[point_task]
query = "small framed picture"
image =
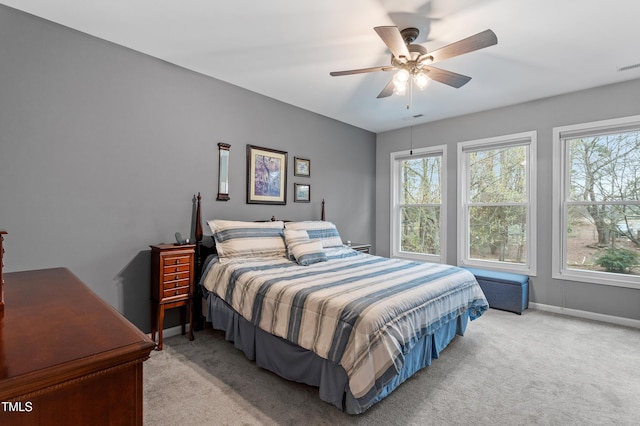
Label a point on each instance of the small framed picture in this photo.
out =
(301, 167)
(302, 193)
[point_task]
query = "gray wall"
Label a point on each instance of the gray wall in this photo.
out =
(601, 103)
(102, 150)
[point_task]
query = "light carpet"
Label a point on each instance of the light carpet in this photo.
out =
(537, 368)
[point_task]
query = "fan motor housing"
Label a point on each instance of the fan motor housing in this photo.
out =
(409, 35)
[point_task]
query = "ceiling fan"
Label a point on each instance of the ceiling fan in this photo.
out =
(413, 63)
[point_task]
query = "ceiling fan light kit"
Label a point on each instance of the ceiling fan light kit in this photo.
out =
(412, 62)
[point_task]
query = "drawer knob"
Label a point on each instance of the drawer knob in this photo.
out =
(176, 277)
(177, 261)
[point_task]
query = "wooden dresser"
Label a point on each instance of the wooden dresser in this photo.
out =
(2, 234)
(172, 278)
(66, 356)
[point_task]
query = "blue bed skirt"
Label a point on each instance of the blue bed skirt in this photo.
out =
(301, 365)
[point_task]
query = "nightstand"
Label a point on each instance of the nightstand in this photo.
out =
(364, 248)
(172, 277)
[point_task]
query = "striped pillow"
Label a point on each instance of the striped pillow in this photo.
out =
(293, 237)
(308, 252)
(319, 230)
(248, 239)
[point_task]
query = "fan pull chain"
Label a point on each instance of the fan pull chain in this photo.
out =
(411, 149)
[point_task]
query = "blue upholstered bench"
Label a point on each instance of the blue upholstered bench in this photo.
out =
(504, 290)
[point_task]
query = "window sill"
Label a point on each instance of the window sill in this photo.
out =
(602, 278)
(418, 257)
(499, 266)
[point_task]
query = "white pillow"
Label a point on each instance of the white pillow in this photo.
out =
(248, 239)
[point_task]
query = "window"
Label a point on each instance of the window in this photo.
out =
(496, 210)
(417, 207)
(597, 202)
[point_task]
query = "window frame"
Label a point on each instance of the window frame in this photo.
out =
(561, 179)
(529, 141)
(395, 233)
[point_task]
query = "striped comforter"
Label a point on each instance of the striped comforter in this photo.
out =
(360, 311)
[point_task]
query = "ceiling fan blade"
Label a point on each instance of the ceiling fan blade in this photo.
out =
(393, 39)
(361, 71)
(447, 77)
(475, 42)
(387, 91)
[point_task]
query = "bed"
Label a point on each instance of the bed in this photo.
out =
(299, 303)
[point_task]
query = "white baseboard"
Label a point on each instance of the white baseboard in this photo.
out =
(585, 314)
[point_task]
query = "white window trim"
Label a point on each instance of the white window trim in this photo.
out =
(395, 200)
(529, 139)
(558, 222)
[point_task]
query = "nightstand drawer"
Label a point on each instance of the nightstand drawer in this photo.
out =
(176, 260)
(175, 276)
(182, 267)
(168, 284)
(173, 292)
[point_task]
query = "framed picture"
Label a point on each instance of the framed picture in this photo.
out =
(266, 176)
(302, 193)
(301, 167)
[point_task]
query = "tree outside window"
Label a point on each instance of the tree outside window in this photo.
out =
(497, 204)
(417, 183)
(420, 205)
(597, 202)
(496, 213)
(603, 209)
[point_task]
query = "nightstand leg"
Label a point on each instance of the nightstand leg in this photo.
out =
(160, 325)
(191, 320)
(154, 320)
(183, 318)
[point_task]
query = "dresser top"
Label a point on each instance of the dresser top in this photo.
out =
(53, 325)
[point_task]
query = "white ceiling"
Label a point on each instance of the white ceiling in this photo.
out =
(285, 49)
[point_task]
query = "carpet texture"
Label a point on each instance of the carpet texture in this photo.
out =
(538, 368)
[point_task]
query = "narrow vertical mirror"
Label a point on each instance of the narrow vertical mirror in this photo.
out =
(223, 171)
